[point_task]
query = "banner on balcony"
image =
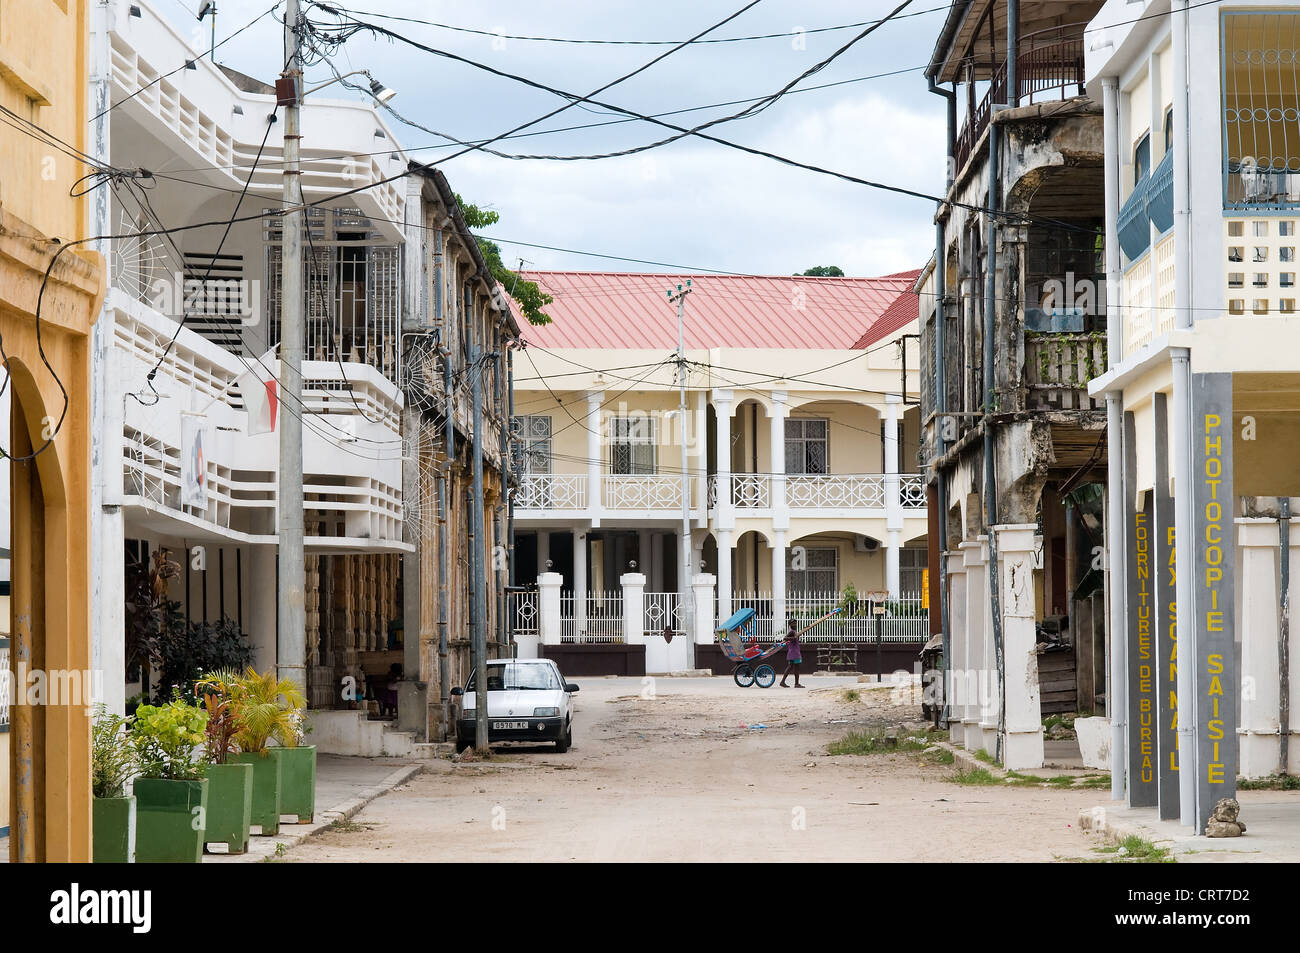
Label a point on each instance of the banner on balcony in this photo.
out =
(194, 465)
(261, 393)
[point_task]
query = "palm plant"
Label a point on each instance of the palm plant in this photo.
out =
(266, 707)
(216, 690)
(113, 760)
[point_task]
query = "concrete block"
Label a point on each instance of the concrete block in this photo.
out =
(1094, 741)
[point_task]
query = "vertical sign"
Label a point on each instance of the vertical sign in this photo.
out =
(194, 464)
(1213, 560)
(1166, 615)
(1142, 755)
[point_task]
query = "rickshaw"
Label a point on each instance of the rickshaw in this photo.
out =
(739, 643)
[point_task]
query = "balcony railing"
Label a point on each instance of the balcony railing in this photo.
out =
(1049, 64)
(838, 491)
(642, 491)
(1058, 368)
(552, 491)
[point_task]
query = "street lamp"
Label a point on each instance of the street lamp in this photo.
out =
(378, 90)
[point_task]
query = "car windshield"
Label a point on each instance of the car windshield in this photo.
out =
(515, 677)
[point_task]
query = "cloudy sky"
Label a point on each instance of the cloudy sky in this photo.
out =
(691, 203)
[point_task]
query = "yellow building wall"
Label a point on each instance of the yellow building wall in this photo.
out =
(43, 78)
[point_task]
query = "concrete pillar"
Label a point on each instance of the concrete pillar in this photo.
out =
(975, 557)
(579, 582)
(724, 573)
(959, 686)
(548, 607)
(261, 622)
(633, 608)
(778, 582)
(726, 516)
(776, 460)
(893, 504)
(702, 589)
(543, 550)
(1023, 744)
(592, 423)
(1257, 540)
(988, 661)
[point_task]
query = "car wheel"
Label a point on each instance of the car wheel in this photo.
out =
(563, 744)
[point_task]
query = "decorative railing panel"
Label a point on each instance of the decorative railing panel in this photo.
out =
(642, 492)
(1058, 368)
(602, 620)
(911, 491)
(835, 491)
(552, 491)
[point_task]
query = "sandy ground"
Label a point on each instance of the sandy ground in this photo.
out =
(681, 776)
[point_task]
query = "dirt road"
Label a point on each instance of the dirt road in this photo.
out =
(684, 775)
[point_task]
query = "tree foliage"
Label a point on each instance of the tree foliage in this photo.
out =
(530, 298)
(824, 271)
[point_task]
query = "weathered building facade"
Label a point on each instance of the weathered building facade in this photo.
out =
(459, 337)
(1012, 330)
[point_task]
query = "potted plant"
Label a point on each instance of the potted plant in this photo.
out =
(297, 769)
(171, 792)
(263, 707)
(112, 765)
(230, 785)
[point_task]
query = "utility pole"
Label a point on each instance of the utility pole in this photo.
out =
(291, 638)
(477, 569)
(684, 596)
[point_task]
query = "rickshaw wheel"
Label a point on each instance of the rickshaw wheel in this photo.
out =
(743, 676)
(765, 676)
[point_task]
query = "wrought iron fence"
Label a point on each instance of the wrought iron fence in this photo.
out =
(602, 620)
(904, 620)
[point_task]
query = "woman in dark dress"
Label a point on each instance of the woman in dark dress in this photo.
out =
(793, 657)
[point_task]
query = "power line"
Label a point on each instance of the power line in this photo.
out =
(551, 39)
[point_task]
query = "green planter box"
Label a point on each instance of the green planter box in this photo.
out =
(169, 820)
(298, 782)
(114, 830)
(230, 805)
(266, 789)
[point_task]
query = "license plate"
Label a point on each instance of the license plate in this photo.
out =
(508, 725)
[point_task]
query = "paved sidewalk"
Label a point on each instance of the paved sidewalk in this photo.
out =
(1272, 835)
(344, 786)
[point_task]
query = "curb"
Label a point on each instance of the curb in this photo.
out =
(291, 835)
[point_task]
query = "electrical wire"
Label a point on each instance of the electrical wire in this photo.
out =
(551, 39)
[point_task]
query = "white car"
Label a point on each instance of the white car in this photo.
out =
(528, 700)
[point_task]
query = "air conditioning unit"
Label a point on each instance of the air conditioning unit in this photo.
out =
(866, 544)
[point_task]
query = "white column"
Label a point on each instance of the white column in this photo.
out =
(893, 504)
(548, 607)
(594, 502)
(580, 584)
(702, 588)
(633, 607)
(976, 681)
(262, 605)
(959, 685)
(1023, 744)
(778, 583)
(726, 516)
(988, 660)
(643, 556)
(1257, 540)
(1293, 745)
(543, 550)
(724, 573)
(776, 461)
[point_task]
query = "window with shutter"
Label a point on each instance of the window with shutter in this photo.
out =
(633, 444)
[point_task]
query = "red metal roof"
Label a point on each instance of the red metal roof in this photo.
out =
(632, 310)
(904, 310)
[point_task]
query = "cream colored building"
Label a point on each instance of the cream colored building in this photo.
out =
(800, 443)
(1203, 390)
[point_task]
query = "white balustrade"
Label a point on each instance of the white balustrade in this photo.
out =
(552, 491)
(642, 491)
(835, 491)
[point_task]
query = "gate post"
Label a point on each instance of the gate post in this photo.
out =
(548, 607)
(702, 592)
(633, 608)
